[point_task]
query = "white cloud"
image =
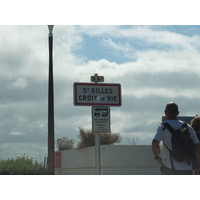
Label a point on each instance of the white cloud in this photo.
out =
(17, 133)
(158, 37)
(20, 83)
(118, 47)
(147, 34)
(5, 145)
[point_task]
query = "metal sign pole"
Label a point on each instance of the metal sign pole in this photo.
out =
(97, 150)
(50, 107)
(97, 154)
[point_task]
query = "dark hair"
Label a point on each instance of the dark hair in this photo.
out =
(171, 108)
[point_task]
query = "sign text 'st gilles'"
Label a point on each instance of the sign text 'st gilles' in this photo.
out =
(87, 94)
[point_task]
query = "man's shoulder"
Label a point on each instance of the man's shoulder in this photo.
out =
(161, 126)
(174, 121)
(175, 124)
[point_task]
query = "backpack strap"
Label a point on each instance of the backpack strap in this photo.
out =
(170, 153)
(169, 127)
(172, 131)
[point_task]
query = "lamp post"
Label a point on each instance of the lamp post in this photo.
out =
(50, 106)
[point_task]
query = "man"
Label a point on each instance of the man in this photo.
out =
(163, 134)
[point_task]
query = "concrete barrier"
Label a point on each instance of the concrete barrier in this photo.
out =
(115, 160)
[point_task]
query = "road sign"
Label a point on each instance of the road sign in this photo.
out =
(97, 78)
(99, 94)
(101, 119)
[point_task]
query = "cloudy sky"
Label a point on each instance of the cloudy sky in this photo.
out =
(154, 65)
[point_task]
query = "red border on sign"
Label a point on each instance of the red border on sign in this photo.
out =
(97, 104)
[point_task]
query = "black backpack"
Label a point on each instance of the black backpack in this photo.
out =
(183, 148)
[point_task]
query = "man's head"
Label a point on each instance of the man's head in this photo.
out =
(171, 111)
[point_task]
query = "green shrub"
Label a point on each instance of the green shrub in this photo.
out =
(22, 165)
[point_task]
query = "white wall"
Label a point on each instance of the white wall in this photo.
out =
(115, 160)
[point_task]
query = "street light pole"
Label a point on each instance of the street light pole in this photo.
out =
(50, 107)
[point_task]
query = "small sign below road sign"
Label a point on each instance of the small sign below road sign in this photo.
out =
(101, 119)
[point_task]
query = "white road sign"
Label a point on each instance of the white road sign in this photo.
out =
(100, 119)
(91, 94)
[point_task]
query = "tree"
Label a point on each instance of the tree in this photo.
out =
(87, 138)
(22, 165)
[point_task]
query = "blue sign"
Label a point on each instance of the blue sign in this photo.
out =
(182, 118)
